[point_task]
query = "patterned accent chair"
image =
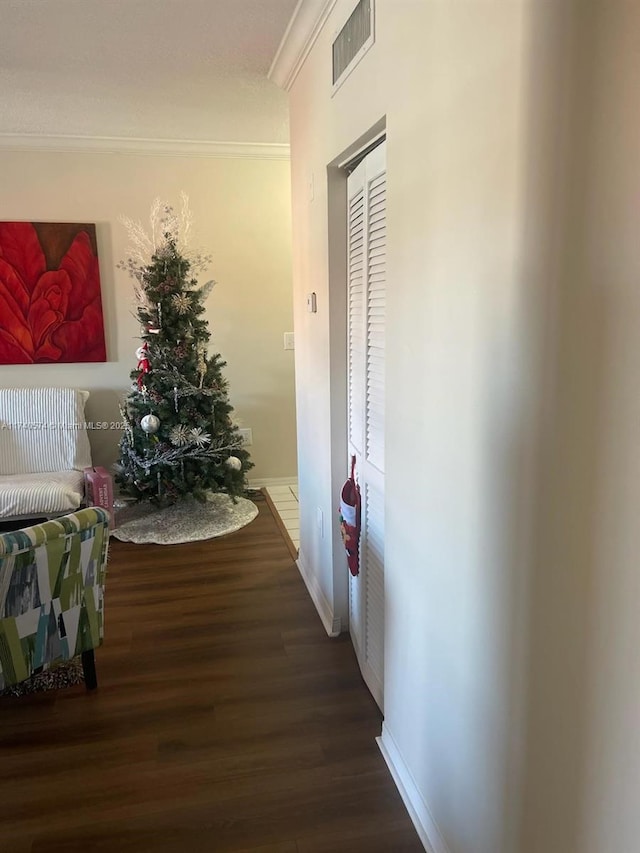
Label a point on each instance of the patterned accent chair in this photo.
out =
(52, 595)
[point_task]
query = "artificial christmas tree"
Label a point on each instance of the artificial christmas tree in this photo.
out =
(179, 439)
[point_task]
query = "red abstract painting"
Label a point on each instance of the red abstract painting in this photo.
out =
(50, 304)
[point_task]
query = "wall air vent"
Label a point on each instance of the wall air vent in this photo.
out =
(352, 42)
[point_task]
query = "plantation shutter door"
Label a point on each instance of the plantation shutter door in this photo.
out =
(356, 309)
(356, 360)
(372, 554)
(376, 292)
(366, 303)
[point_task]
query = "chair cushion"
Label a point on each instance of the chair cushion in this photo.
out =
(43, 429)
(40, 494)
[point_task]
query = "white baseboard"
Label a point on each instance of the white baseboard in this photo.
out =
(265, 482)
(332, 624)
(425, 825)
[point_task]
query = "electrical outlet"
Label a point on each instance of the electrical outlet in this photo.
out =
(289, 340)
(247, 436)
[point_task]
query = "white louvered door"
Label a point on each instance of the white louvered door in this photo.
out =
(366, 189)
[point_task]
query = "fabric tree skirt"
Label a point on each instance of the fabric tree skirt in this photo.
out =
(186, 521)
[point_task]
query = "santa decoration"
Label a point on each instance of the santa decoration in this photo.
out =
(142, 354)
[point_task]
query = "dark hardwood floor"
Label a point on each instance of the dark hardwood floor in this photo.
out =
(225, 719)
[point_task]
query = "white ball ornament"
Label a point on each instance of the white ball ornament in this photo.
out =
(234, 463)
(150, 424)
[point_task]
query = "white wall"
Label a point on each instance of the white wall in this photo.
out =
(242, 216)
(511, 684)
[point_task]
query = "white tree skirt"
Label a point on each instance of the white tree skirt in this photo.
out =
(186, 521)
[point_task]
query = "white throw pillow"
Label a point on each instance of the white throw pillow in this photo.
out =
(43, 429)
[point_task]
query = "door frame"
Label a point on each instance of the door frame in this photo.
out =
(338, 362)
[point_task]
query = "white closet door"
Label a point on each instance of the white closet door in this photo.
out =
(366, 225)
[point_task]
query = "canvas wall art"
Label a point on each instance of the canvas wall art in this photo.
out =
(50, 302)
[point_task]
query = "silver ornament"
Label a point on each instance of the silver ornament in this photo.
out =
(150, 424)
(234, 463)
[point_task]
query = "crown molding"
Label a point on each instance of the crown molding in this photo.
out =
(307, 21)
(126, 145)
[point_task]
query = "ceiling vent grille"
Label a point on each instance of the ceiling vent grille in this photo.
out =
(352, 42)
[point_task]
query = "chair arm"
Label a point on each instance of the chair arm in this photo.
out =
(29, 537)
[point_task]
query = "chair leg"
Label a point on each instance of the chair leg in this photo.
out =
(89, 670)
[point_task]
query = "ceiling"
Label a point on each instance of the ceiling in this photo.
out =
(144, 69)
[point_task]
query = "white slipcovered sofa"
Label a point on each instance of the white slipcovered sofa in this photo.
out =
(44, 448)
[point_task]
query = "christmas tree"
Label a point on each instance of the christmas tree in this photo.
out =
(179, 439)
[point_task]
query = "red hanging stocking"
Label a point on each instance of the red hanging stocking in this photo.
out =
(350, 519)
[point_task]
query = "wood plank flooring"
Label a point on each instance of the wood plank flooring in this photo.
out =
(225, 720)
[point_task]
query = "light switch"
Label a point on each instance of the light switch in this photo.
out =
(289, 340)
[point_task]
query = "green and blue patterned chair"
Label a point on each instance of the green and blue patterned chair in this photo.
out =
(52, 595)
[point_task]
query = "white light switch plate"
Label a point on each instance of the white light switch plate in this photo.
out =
(247, 435)
(289, 341)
